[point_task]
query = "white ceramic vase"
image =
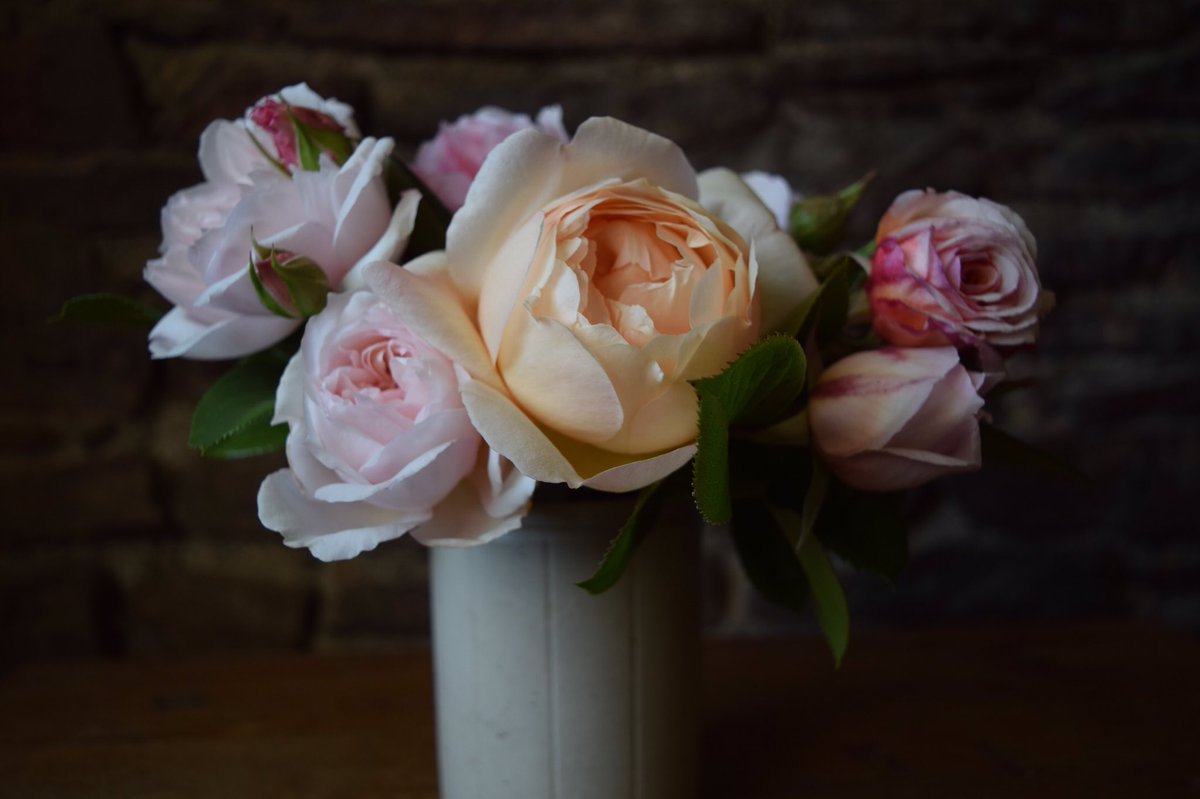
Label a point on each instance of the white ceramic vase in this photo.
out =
(544, 691)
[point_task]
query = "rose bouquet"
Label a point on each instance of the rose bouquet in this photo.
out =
(427, 341)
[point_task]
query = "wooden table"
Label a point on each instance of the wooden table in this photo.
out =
(1086, 710)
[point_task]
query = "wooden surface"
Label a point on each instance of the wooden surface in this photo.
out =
(1081, 710)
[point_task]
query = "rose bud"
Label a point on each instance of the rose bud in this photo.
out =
(379, 442)
(266, 137)
(951, 269)
(448, 162)
(890, 419)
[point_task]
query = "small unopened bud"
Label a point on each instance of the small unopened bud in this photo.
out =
(300, 134)
(287, 284)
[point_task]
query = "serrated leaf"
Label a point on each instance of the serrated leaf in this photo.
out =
(829, 601)
(767, 556)
(108, 308)
(1001, 448)
(641, 520)
(240, 403)
(818, 223)
(759, 388)
(259, 438)
(762, 384)
(864, 529)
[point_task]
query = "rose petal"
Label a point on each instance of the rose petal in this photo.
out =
(331, 531)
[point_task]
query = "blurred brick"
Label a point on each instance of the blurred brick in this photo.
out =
(202, 599)
(93, 498)
(54, 606)
(52, 104)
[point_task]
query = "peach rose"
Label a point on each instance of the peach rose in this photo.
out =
(889, 419)
(584, 285)
(379, 442)
(951, 269)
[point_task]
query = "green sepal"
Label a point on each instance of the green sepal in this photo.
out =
(760, 388)
(112, 309)
(265, 297)
(233, 418)
(645, 513)
(275, 162)
(306, 283)
(818, 223)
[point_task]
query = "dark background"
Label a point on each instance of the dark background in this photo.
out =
(1083, 116)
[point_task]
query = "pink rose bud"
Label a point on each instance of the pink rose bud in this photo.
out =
(890, 419)
(287, 284)
(951, 269)
(300, 134)
(448, 162)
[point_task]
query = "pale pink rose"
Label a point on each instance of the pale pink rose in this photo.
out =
(379, 442)
(951, 269)
(892, 418)
(335, 217)
(584, 285)
(449, 161)
(231, 151)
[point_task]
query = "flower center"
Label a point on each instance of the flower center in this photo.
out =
(642, 260)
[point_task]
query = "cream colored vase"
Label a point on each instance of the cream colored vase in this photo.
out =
(544, 691)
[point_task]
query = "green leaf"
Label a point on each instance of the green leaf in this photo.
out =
(759, 388)
(829, 602)
(818, 223)
(111, 309)
(825, 309)
(814, 499)
(710, 467)
(233, 418)
(762, 385)
(255, 439)
(641, 520)
(864, 529)
(1001, 448)
(767, 556)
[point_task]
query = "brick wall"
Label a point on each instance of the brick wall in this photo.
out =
(1081, 115)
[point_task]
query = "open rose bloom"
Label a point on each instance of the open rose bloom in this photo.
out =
(597, 303)
(951, 269)
(584, 285)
